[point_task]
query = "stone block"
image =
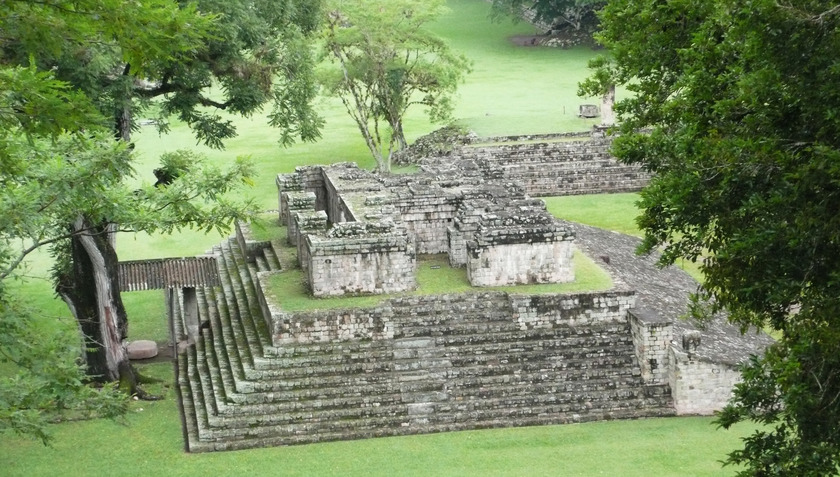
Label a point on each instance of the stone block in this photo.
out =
(141, 349)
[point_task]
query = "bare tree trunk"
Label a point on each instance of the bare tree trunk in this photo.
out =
(91, 291)
(371, 142)
(607, 103)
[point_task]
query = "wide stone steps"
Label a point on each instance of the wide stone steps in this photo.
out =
(478, 326)
(480, 344)
(355, 419)
(318, 412)
(304, 382)
(400, 378)
(450, 366)
(337, 362)
(375, 381)
(508, 363)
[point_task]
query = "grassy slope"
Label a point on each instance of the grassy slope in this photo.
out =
(511, 91)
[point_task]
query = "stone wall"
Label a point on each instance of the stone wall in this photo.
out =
(498, 264)
(304, 179)
(652, 336)
(427, 211)
(579, 309)
(440, 315)
(699, 386)
(303, 224)
(360, 258)
(512, 249)
(292, 204)
(250, 248)
(546, 165)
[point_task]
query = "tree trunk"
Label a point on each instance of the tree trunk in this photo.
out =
(399, 134)
(122, 113)
(91, 290)
(607, 103)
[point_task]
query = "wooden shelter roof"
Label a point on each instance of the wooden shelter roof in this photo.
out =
(159, 274)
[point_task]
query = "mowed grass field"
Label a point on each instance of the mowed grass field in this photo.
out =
(512, 90)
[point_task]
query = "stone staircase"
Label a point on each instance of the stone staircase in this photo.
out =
(452, 364)
(557, 168)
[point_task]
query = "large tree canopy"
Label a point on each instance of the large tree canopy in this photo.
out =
(51, 151)
(238, 56)
(735, 106)
(74, 74)
(382, 61)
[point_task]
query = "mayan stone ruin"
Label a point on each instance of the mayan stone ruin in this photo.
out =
(253, 373)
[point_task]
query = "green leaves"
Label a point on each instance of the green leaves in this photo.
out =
(383, 61)
(734, 110)
(574, 13)
(34, 103)
(44, 383)
(74, 73)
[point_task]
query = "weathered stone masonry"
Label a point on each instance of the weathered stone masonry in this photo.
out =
(358, 258)
(253, 374)
(545, 165)
(380, 224)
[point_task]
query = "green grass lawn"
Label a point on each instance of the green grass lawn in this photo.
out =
(434, 277)
(512, 90)
(149, 442)
(616, 212)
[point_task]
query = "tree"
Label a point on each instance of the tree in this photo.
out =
(383, 62)
(735, 108)
(577, 14)
(48, 180)
(41, 380)
(107, 58)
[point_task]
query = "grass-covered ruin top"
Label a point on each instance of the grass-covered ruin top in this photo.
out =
(289, 291)
(265, 227)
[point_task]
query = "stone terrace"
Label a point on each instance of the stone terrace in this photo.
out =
(544, 165)
(257, 375)
(439, 363)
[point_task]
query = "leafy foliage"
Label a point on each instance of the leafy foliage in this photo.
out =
(740, 101)
(44, 383)
(122, 56)
(383, 61)
(577, 14)
(72, 74)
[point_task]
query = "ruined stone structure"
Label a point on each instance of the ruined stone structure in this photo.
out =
(379, 225)
(261, 375)
(544, 165)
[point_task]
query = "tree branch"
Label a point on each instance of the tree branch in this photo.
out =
(36, 244)
(215, 104)
(818, 19)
